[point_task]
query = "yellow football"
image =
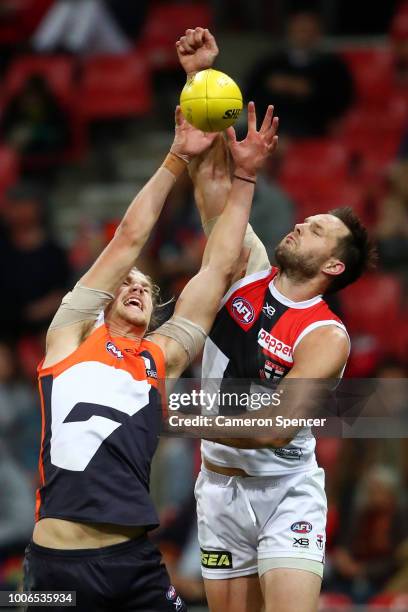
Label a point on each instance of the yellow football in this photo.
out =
(211, 101)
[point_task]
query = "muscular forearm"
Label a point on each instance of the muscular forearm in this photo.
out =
(146, 207)
(225, 242)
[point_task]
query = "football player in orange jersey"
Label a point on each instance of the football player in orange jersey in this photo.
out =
(100, 386)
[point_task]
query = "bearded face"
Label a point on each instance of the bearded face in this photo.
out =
(310, 249)
(297, 264)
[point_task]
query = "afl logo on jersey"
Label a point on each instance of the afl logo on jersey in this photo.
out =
(301, 527)
(242, 310)
(113, 350)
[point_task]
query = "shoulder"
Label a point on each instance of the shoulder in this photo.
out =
(321, 321)
(154, 348)
(322, 353)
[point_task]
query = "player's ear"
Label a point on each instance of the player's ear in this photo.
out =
(333, 267)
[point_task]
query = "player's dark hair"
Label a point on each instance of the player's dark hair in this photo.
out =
(356, 250)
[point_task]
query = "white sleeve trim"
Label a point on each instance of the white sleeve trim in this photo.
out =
(317, 324)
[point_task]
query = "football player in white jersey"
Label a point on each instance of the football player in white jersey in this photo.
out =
(260, 502)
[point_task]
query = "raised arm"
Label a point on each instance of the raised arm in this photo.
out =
(114, 263)
(211, 172)
(199, 301)
(73, 321)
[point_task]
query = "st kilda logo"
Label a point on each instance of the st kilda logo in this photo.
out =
(242, 310)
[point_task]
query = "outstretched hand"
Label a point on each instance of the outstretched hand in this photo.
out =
(188, 141)
(196, 50)
(251, 153)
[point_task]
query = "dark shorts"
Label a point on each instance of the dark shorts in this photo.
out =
(128, 576)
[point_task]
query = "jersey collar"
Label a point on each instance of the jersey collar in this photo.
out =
(290, 303)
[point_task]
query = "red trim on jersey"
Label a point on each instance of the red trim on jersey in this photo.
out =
(40, 458)
(245, 303)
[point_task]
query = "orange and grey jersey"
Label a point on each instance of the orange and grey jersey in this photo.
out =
(101, 419)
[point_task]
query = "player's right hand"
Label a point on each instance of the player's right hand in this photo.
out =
(196, 50)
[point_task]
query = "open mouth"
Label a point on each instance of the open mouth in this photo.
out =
(291, 238)
(133, 302)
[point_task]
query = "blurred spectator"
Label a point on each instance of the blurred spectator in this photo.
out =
(34, 273)
(82, 27)
(34, 123)
(20, 426)
(392, 226)
(367, 551)
(309, 87)
(16, 508)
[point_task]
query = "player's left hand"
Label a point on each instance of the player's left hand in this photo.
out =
(196, 50)
(250, 154)
(188, 141)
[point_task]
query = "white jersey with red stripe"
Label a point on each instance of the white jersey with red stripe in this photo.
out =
(254, 337)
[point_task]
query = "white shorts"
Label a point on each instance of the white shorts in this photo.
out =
(242, 520)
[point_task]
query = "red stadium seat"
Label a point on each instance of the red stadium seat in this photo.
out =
(57, 70)
(316, 157)
(20, 18)
(165, 24)
(373, 306)
(325, 194)
(115, 86)
(395, 602)
(309, 163)
(334, 602)
(371, 68)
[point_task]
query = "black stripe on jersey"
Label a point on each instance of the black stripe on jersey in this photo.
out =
(152, 371)
(46, 392)
(114, 486)
(241, 346)
(83, 411)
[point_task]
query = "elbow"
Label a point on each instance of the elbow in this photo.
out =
(220, 269)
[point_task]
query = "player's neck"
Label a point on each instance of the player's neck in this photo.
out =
(125, 330)
(297, 290)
